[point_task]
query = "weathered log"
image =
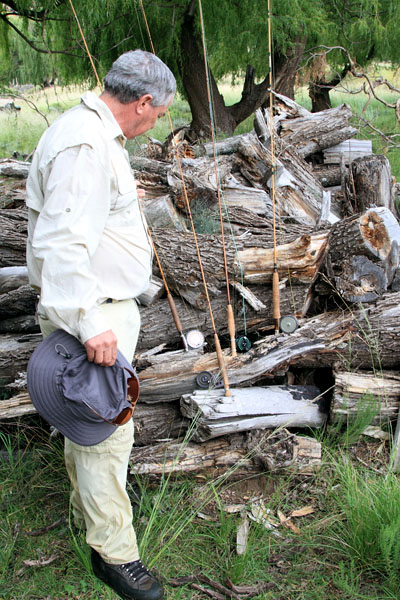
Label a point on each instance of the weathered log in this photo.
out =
(12, 278)
(364, 254)
(153, 292)
(316, 131)
(369, 234)
(20, 301)
(367, 338)
(215, 414)
(14, 168)
(360, 280)
(157, 423)
(328, 175)
(153, 424)
(17, 406)
(226, 146)
(160, 212)
(20, 324)
(369, 182)
(149, 165)
(15, 352)
(158, 326)
(236, 456)
(298, 261)
(13, 233)
(197, 179)
(378, 394)
(298, 193)
(252, 199)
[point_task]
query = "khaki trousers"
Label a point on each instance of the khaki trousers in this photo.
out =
(98, 473)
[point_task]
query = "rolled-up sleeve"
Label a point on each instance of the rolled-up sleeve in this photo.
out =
(67, 233)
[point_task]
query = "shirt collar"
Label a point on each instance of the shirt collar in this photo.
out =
(93, 102)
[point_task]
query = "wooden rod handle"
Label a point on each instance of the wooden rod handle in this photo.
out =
(177, 320)
(221, 363)
(231, 329)
(275, 296)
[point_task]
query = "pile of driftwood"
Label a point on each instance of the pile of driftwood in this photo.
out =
(337, 251)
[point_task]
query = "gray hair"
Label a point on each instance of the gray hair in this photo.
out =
(136, 73)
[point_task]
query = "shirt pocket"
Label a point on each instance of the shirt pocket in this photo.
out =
(126, 193)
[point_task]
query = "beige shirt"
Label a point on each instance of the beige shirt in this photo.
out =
(87, 239)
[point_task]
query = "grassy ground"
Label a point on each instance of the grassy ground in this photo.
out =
(347, 548)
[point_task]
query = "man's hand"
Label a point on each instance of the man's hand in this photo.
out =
(102, 349)
(140, 192)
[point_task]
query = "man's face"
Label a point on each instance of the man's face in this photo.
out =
(146, 119)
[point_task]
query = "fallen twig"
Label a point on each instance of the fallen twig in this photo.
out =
(237, 592)
(42, 530)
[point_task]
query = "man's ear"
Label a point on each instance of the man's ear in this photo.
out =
(143, 101)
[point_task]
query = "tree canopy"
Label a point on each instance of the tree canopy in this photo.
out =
(40, 42)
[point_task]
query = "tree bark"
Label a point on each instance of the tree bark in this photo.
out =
(13, 234)
(286, 67)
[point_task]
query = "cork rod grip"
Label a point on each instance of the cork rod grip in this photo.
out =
(221, 363)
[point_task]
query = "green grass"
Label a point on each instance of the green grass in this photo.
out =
(347, 549)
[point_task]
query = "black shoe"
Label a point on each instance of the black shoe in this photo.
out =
(131, 581)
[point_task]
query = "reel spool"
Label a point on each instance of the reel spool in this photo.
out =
(205, 380)
(288, 324)
(195, 339)
(243, 344)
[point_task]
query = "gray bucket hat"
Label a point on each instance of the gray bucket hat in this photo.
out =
(85, 401)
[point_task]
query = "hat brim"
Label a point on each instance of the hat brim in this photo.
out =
(44, 367)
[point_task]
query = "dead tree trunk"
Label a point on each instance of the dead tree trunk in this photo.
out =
(251, 408)
(370, 182)
(236, 456)
(363, 254)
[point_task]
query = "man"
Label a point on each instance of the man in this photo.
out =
(89, 256)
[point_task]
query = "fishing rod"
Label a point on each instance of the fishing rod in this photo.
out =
(220, 356)
(276, 310)
(231, 318)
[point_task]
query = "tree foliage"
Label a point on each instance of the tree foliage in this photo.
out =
(41, 40)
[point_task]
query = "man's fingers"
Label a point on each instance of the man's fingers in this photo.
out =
(102, 349)
(105, 358)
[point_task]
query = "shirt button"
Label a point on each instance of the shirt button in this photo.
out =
(67, 210)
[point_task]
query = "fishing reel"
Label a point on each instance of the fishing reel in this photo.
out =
(288, 324)
(194, 339)
(206, 380)
(243, 344)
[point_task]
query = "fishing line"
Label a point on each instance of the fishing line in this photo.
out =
(85, 44)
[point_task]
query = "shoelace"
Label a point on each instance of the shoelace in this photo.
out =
(136, 570)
